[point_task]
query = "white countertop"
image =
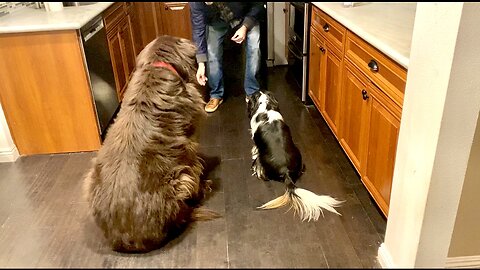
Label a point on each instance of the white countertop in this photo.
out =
(30, 19)
(386, 26)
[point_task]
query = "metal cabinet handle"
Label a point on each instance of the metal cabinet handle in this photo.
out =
(322, 49)
(364, 94)
(373, 65)
(326, 27)
(174, 8)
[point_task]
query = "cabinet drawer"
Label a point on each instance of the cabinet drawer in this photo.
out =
(379, 68)
(113, 15)
(329, 28)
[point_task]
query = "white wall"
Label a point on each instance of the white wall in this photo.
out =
(466, 233)
(8, 150)
(440, 112)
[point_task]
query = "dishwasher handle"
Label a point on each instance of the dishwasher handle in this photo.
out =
(90, 32)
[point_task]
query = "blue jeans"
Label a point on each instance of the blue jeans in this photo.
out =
(215, 37)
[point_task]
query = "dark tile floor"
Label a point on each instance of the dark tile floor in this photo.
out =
(43, 220)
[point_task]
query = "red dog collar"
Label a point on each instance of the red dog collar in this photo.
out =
(165, 65)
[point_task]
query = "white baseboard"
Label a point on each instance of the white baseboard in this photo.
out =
(384, 257)
(385, 260)
(9, 155)
(463, 262)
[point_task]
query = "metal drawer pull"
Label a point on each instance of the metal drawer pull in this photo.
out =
(364, 94)
(326, 27)
(174, 8)
(373, 65)
(322, 49)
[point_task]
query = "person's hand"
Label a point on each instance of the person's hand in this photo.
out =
(201, 77)
(240, 34)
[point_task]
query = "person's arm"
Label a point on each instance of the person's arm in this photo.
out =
(197, 17)
(253, 15)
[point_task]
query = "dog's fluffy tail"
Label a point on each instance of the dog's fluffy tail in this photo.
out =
(306, 204)
(204, 214)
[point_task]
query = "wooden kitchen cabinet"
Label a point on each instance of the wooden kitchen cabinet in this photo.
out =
(381, 146)
(359, 92)
(129, 54)
(354, 115)
(115, 47)
(380, 99)
(369, 132)
(328, 38)
(135, 27)
(148, 28)
(121, 46)
(45, 93)
(381, 70)
(131, 26)
(162, 18)
(316, 66)
(175, 19)
(331, 88)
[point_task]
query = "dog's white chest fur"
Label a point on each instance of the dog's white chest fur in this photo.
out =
(262, 108)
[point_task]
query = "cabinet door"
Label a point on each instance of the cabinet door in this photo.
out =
(128, 51)
(316, 68)
(354, 115)
(115, 47)
(147, 18)
(123, 55)
(135, 27)
(332, 88)
(175, 19)
(384, 125)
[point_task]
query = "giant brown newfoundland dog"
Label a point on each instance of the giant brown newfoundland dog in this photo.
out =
(144, 184)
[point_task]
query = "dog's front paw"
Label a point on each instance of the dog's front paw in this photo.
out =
(258, 170)
(254, 153)
(253, 168)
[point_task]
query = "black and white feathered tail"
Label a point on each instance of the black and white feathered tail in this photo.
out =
(306, 204)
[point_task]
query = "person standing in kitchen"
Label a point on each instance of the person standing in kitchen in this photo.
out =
(211, 21)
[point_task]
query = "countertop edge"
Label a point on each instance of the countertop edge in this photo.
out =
(54, 26)
(41, 28)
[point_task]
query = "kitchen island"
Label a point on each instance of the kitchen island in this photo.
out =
(30, 19)
(46, 95)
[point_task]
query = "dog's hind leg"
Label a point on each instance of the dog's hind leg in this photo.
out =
(194, 197)
(186, 187)
(256, 167)
(205, 187)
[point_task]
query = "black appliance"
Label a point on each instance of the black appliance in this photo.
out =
(100, 72)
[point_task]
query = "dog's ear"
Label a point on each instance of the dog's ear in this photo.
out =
(251, 104)
(272, 101)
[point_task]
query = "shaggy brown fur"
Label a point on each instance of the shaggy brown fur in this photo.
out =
(145, 180)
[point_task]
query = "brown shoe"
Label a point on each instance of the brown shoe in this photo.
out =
(213, 104)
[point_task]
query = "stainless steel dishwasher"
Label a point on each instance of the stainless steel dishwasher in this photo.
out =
(100, 72)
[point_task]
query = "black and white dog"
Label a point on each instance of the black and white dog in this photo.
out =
(276, 157)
